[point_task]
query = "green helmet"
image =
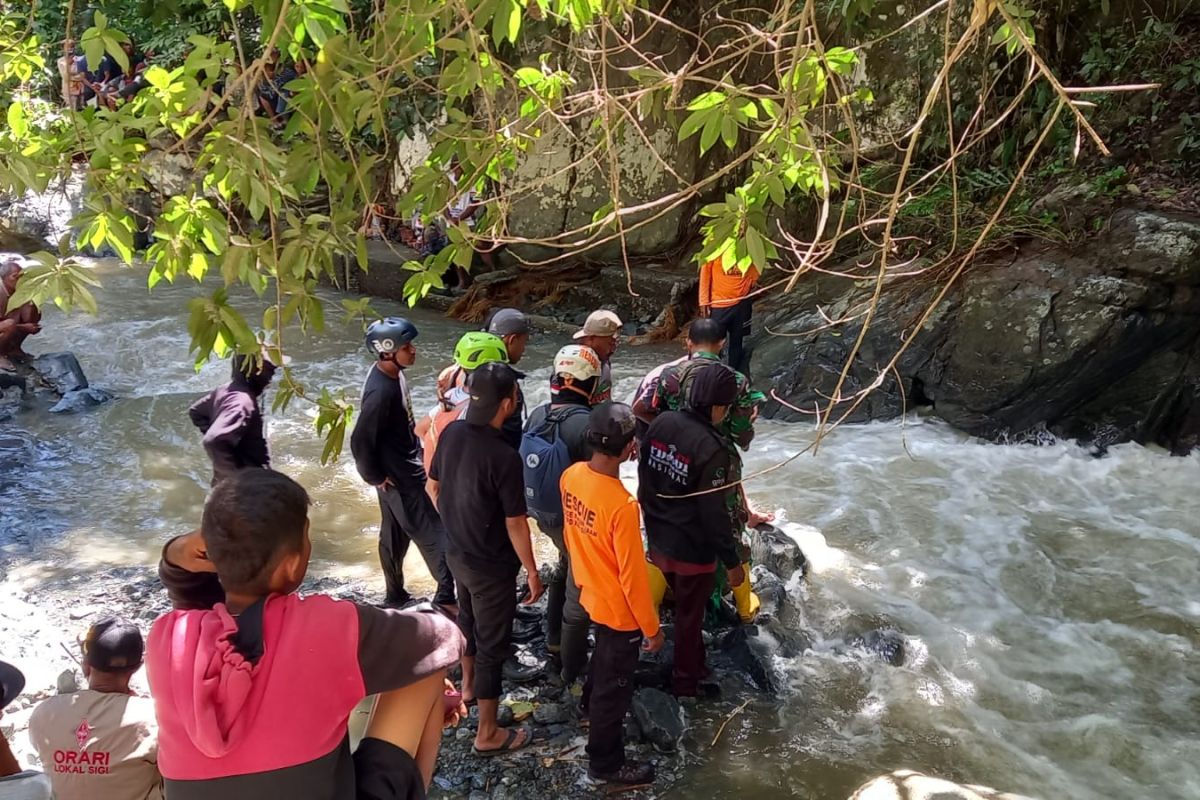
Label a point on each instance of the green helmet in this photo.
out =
(477, 348)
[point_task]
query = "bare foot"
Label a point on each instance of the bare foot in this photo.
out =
(505, 740)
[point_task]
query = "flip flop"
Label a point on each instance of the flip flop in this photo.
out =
(507, 747)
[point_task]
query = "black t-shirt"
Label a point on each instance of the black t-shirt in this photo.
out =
(384, 441)
(481, 484)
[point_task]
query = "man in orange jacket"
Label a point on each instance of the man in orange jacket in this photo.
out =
(604, 542)
(725, 297)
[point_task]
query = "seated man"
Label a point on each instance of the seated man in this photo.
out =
(16, 324)
(15, 783)
(254, 685)
(101, 741)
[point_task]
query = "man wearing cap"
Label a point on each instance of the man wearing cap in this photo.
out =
(599, 332)
(231, 419)
(564, 418)
(101, 741)
(16, 783)
(684, 487)
(476, 481)
(512, 326)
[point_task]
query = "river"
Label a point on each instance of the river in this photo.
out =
(1050, 600)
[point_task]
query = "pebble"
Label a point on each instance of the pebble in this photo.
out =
(463, 734)
(550, 714)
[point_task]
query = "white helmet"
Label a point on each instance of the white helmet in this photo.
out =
(578, 361)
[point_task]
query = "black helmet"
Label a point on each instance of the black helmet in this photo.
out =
(388, 335)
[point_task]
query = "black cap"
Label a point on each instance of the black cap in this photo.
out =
(611, 426)
(11, 683)
(488, 386)
(113, 645)
(508, 321)
(714, 385)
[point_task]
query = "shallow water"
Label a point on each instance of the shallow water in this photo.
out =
(1051, 600)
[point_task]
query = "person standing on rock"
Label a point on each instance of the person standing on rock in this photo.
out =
(231, 418)
(512, 326)
(16, 783)
(555, 438)
(599, 332)
(476, 483)
(684, 489)
(387, 454)
(603, 535)
(105, 724)
(725, 297)
(16, 323)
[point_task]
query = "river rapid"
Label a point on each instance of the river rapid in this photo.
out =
(1050, 600)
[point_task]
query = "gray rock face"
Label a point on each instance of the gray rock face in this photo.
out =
(776, 551)
(750, 651)
(660, 718)
(1100, 342)
(61, 372)
(79, 400)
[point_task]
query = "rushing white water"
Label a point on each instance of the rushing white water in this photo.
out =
(1050, 600)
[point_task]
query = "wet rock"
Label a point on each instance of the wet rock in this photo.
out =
(775, 550)
(61, 372)
(887, 644)
(551, 714)
(909, 785)
(80, 399)
(504, 716)
(750, 650)
(660, 718)
(67, 682)
(1096, 341)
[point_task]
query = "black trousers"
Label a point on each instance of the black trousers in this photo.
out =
(409, 516)
(735, 324)
(691, 593)
(608, 693)
(485, 616)
(567, 622)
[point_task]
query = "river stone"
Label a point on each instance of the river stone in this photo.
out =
(887, 644)
(551, 714)
(79, 400)
(67, 682)
(751, 650)
(775, 550)
(909, 785)
(660, 718)
(61, 372)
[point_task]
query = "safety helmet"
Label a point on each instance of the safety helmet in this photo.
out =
(389, 334)
(477, 348)
(578, 361)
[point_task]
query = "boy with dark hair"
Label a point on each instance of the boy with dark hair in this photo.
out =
(604, 539)
(104, 725)
(476, 481)
(255, 685)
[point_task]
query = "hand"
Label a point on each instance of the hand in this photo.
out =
(655, 642)
(736, 575)
(535, 589)
(705, 311)
(29, 327)
(189, 553)
(457, 714)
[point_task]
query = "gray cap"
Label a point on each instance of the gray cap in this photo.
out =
(508, 321)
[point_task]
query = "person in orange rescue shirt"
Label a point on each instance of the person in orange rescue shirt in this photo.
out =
(602, 532)
(725, 297)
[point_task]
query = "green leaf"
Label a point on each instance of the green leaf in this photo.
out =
(707, 100)
(729, 132)
(17, 122)
(754, 244)
(693, 123)
(528, 77)
(99, 20)
(712, 129)
(360, 252)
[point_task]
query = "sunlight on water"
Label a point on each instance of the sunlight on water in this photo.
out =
(1048, 599)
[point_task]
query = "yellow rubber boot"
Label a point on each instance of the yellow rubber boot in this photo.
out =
(745, 599)
(658, 584)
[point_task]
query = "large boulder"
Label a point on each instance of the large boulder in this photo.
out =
(1098, 342)
(775, 550)
(60, 372)
(660, 718)
(908, 785)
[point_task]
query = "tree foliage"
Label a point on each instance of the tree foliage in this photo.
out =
(777, 110)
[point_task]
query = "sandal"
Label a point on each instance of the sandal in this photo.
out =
(507, 747)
